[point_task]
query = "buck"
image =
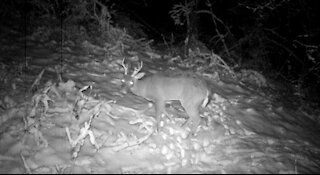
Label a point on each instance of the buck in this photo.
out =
(189, 89)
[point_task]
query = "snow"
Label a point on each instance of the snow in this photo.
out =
(84, 125)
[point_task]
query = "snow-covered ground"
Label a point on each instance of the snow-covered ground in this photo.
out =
(84, 125)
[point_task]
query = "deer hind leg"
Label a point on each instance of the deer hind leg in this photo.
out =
(192, 110)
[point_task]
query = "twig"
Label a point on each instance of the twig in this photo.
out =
(5, 158)
(131, 143)
(214, 19)
(37, 80)
(25, 164)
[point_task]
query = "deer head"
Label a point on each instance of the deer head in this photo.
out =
(129, 81)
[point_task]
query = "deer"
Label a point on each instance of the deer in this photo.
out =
(161, 87)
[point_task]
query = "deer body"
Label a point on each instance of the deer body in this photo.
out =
(190, 90)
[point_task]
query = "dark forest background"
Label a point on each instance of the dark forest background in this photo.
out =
(279, 38)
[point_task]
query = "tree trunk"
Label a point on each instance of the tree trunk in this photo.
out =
(192, 26)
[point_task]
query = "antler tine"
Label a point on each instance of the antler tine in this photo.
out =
(124, 66)
(137, 69)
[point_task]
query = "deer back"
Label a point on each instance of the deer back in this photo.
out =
(165, 86)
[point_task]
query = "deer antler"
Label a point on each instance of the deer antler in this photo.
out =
(137, 69)
(124, 66)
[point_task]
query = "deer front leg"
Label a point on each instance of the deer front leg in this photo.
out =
(193, 122)
(160, 107)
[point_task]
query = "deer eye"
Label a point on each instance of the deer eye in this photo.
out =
(122, 80)
(131, 83)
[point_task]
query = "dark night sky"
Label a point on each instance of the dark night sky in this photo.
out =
(156, 14)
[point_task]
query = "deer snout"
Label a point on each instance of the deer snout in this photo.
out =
(127, 83)
(124, 90)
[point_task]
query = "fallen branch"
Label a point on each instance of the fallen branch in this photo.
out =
(79, 141)
(37, 80)
(131, 143)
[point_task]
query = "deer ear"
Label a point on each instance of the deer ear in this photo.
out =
(139, 75)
